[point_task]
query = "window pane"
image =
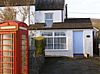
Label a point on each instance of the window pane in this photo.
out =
(23, 46)
(7, 56)
(63, 46)
(60, 43)
(48, 16)
(48, 19)
(48, 22)
(23, 36)
(63, 40)
(7, 53)
(56, 46)
(56, 40)
(7, 42)
(50, 40)
(6, 36)
(49, 43)
(47, 34)
(7, 59)
(7, 47)
(49, 46)
(23, 42)
(7, 65)
(60, 34)
(7, 71)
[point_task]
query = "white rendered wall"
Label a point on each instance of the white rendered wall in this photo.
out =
(88, 43)
(40, 16)
(61, 52)
(54, 52)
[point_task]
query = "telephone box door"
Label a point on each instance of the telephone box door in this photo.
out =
(7, 53)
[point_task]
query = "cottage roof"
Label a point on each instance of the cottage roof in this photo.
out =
(49, 4)
(96, 23)
(16, 2)
(68, 24)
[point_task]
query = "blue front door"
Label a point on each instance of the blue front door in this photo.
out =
(78, 42)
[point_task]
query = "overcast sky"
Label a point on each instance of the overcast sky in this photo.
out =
(83, 8)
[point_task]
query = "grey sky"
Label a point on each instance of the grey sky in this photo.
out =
(83, 8)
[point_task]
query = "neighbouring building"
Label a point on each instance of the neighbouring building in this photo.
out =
(24, 9)
(96, 32)
(64, 36)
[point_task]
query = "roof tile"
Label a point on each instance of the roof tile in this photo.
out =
(50, 4)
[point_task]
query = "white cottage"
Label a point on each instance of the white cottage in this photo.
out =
(64, 37)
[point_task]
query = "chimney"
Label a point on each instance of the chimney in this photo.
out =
(66, 11)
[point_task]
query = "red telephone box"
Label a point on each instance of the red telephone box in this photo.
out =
(13, 48)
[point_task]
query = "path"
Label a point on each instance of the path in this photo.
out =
(70, 66)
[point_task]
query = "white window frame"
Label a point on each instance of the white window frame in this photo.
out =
(53, 36)
(60, 36)
(49, 17)
(48, 36)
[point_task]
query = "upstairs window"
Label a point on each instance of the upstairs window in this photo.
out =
(48, 19)
(48, 15)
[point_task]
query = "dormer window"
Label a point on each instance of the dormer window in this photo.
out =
(48, 19)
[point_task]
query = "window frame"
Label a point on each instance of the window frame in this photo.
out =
(48, 18)
(53, 36)
(7, 54)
